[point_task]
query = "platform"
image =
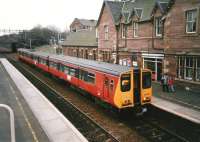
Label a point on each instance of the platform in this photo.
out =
(179, 103)
(36, 119)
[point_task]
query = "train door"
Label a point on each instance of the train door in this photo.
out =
(137, 89)
(106, 88)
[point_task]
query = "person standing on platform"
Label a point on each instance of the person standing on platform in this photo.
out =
(171, 84)
(164, 80)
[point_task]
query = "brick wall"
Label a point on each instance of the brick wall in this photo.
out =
(106, 19)
(175, 33)
(176, 39)
(81, 52)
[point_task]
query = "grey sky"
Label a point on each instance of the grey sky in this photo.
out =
(25, 14)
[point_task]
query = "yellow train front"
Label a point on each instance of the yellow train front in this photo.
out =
(134, 89)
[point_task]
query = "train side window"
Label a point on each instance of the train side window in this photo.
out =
(85, 76)
(43, 62)
(76, 73)
(51, 64)
(58, 66)
(125, 82)
(106, 81)
(80, 74)
(61, 68)
(66, 70)
(72, 72)
(111, 84)
(91, 78)
(146, 80)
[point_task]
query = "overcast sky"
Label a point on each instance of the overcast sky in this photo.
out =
(25, 14)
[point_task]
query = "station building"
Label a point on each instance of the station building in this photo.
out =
(82, 24)
(162, 35)
(81, 41)
(82, 44)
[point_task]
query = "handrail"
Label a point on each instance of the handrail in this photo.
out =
(12, 121)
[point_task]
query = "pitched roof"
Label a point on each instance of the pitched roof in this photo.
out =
(163, 5)
(145, 6)
(84, 38)
(141, 8)
(115, 8)
(87, 22)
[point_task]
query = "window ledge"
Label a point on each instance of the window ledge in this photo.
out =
(191, 34)
(188, 81)
(159, 37)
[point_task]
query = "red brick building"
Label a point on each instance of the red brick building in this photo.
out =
(82, 44)
(82, 24)
(81, 41)
(162, 35)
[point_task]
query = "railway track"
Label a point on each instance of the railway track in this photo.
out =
(147, 128)
(151, 130)
(90, 129)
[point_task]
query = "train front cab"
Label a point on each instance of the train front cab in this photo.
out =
(134, 89)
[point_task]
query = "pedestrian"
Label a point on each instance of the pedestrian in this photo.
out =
(171, 84)
(162, 82)
(165, 88)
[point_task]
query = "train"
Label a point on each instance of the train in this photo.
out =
(120, 87)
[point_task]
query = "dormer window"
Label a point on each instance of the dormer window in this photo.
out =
(159, 27)
(191, 21)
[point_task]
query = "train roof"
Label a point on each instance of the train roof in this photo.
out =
(96, 65)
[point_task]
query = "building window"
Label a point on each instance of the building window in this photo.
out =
(189, 68)
(189, 63)
(159, 26)
(106, 32)
(198, 69)
(191, 21)
(135, 29)
(181, 64)
(124, 31)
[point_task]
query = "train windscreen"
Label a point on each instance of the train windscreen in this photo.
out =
(125, 82)
(146, 80)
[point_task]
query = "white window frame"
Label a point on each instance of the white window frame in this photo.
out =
(106, 31)
(135, 29)
(192, 21)
(157, 25)
(188, 67)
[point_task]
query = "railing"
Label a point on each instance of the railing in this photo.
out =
(12, 121)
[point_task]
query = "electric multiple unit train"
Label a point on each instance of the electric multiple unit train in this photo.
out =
(118, 86)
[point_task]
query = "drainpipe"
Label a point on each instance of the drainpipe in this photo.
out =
(117, 45)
